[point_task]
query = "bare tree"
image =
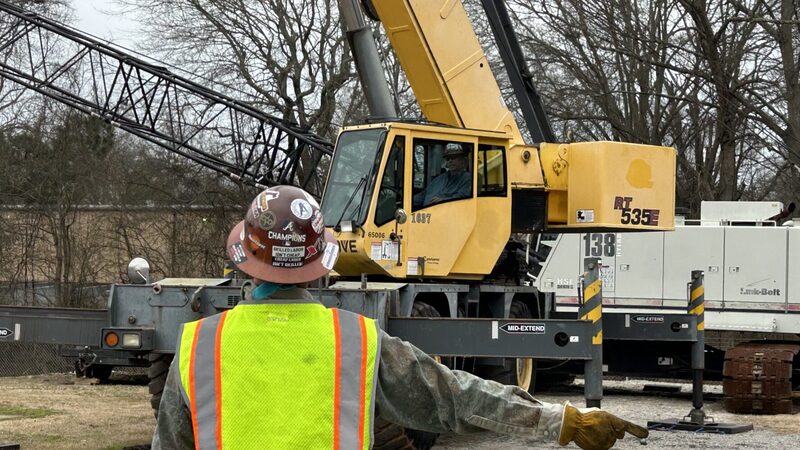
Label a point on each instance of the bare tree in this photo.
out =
(775, 100)
(53, 167)
(287, 58)
(598, 65)
(723, 47)
(685, 73)
(605, 72)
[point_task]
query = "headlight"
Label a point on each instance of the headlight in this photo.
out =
(131, 340)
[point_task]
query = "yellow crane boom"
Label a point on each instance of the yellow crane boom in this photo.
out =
(445, 65)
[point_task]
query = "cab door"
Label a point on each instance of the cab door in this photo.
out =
(441, 207)
(385, 236)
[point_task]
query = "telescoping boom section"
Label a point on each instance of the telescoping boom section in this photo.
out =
(442, 198)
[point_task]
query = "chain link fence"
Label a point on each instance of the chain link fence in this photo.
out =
(21, 358)
(42, 268)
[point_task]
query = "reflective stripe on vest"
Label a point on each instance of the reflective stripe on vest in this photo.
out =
(280, 376)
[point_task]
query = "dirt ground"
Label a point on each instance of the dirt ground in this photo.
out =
(82, 414)
(59, 411)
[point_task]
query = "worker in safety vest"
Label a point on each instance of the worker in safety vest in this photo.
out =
(281, 371)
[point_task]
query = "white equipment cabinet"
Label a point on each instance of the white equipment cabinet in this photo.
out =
(752, 268)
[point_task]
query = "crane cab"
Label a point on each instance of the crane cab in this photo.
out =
(411, 200)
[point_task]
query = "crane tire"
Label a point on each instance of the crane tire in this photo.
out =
(390, 436)
(422, 309)
(527, 378)
(157, 376)
(100, 371)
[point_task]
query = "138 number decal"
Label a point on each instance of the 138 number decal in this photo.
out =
(600, 244)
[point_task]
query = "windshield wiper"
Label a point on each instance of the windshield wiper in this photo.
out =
(362, 181)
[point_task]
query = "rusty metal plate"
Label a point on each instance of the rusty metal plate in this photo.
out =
(757, 389)
(750, 350)
(757, 369)
(754, 406)
(758, 378)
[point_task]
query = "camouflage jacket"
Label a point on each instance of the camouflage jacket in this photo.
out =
(413, 390)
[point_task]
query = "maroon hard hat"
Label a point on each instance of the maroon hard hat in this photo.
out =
(283, 238)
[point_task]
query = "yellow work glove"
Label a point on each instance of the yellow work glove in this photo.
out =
(595, 429)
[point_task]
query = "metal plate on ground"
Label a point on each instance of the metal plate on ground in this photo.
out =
(716, 428)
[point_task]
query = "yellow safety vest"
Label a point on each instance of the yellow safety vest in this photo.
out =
(280, 375)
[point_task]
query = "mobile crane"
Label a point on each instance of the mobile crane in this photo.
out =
(432, 257)
(382, 168)
(388, 229)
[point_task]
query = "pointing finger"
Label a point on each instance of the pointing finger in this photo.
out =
(636, 430)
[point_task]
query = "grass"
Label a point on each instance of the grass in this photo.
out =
(20, 412)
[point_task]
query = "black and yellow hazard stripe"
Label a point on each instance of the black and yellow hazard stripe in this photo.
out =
(228, 270)
(697, 301)
(592, 308)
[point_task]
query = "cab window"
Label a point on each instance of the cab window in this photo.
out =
(390, 194)
(491, 171)
(442, 172)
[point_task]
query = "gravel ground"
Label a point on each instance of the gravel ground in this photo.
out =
(84, 415)
(625, 399)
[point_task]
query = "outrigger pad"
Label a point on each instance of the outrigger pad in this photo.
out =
(682, 425)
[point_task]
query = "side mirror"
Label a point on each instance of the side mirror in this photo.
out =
(400, 216)
(139, 271)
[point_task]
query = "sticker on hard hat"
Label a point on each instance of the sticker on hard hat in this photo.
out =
(301, 209)
(329, 257)
(256, 241)
(317, 224)
(5, 332)
(288, 256)
(265, 197)
(237, 253)
(523, 328)
(288, 237)
(266, 220)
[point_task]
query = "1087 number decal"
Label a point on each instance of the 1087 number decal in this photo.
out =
(421, 218)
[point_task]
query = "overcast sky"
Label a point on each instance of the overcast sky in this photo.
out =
(102, 19)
